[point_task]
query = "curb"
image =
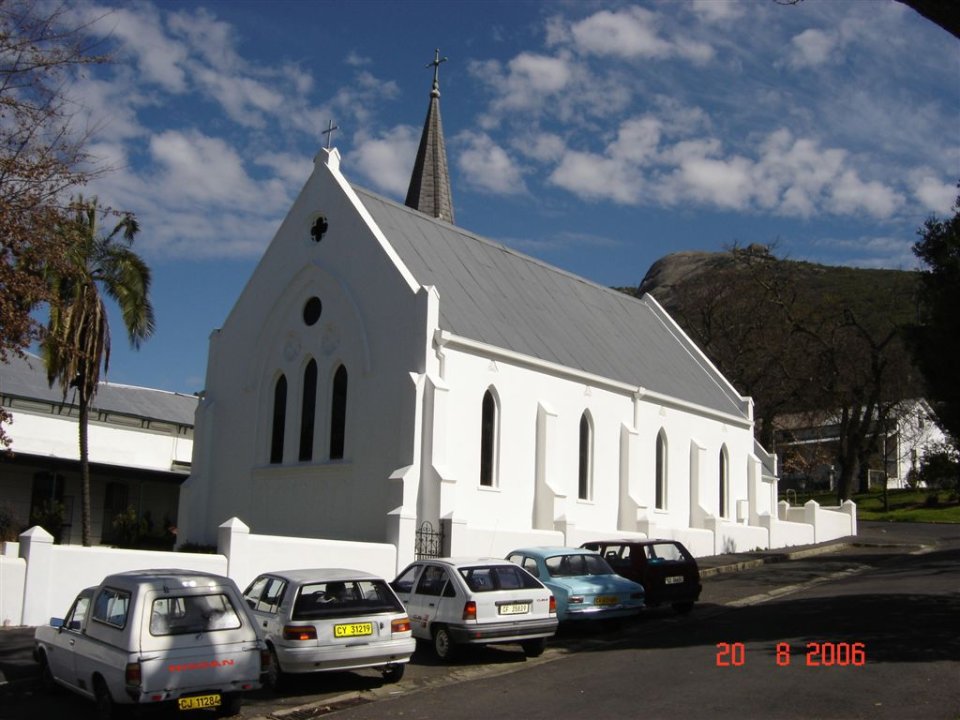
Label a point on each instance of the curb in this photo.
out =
(772, 558)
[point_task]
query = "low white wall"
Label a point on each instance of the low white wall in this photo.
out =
(784, 533)
(831, 523)
(735, 538)
(44, 580)
(249, 555)
(13, 571)
(56, 573)
(698, 542)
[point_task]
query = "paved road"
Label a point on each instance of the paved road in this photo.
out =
(902, 607)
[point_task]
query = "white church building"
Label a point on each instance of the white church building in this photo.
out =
(385, 374)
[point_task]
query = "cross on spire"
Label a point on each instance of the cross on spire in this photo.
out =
(329, 132)
(436, 69)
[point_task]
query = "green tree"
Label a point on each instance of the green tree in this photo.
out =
(937, 338)
(77, 341)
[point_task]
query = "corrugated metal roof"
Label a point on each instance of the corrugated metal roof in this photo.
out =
(495, 295)
(27, 378)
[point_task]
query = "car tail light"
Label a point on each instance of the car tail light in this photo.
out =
(400, 625)
(553, 605)
(299, 632)
(575, 600)
(133, 675)
(470, 610)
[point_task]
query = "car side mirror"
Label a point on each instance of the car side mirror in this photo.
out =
(56, 622)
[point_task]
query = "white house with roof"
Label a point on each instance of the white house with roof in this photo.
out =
(140, 448)
(385, 373)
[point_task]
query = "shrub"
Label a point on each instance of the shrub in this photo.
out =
(10, 524)
(128, 528)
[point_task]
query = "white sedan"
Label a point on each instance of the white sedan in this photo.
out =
(478, 601)
(330, 619)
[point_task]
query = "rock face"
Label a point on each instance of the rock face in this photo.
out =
(668, 271)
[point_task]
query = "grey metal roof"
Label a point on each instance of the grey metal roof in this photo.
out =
(27, 378)
(495, 295)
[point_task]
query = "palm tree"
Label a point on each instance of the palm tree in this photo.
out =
(77, 340)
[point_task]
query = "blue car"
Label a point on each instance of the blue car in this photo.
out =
(584, 584)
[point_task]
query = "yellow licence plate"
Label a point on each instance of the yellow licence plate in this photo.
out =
(198, 702)
(605, 600)
(352, 630)
(514, 609)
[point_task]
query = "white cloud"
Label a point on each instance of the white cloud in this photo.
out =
(811, 48)
(932, 192)
(715, 11)
(595, 177)
(355, 59)
(850, 195)
(386, 161)
(159, 58)
(541, 146)
(487, 167)
(628, 33)
(201, 169)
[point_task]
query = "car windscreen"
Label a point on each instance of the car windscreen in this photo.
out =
(182, 614)
(664, 552)
(577, 565)
(343, 599)
(498, 577)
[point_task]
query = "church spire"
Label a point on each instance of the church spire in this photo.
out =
(429, 190)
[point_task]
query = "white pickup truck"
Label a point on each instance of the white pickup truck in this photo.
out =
(174, 637)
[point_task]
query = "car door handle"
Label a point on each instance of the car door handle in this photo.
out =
(432, 604)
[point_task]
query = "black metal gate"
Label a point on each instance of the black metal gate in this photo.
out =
(429, 542)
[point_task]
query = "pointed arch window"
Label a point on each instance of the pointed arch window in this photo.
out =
(279, 419)
(338, 414)
(308, 411)
(660, 472)
(489, 435)
(585, 470)
(724, 481)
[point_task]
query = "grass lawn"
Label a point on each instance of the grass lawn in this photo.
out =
(903, 505)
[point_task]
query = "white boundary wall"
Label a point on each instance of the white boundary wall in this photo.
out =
(44, 580)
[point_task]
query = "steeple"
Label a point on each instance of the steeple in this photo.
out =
(429, 190)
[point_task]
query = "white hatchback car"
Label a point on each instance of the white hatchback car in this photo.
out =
(476, 601)
(330, 619)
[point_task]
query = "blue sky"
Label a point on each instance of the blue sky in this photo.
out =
(595, 136)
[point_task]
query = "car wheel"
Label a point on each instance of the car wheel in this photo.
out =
(393, 673)
(47, 682)
(443, 644)
(274, 676)
(534, 648)
(231, 705)
(106, 708)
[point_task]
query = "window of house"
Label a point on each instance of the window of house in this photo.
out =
(724, 481)
(312, 309)
(660, 473)
(308, 410)
(279, 419)
(338, 414)
(488, 440)
(585, 476)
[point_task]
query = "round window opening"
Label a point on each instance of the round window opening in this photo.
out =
(312, 310)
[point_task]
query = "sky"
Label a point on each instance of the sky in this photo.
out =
(595, 136)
